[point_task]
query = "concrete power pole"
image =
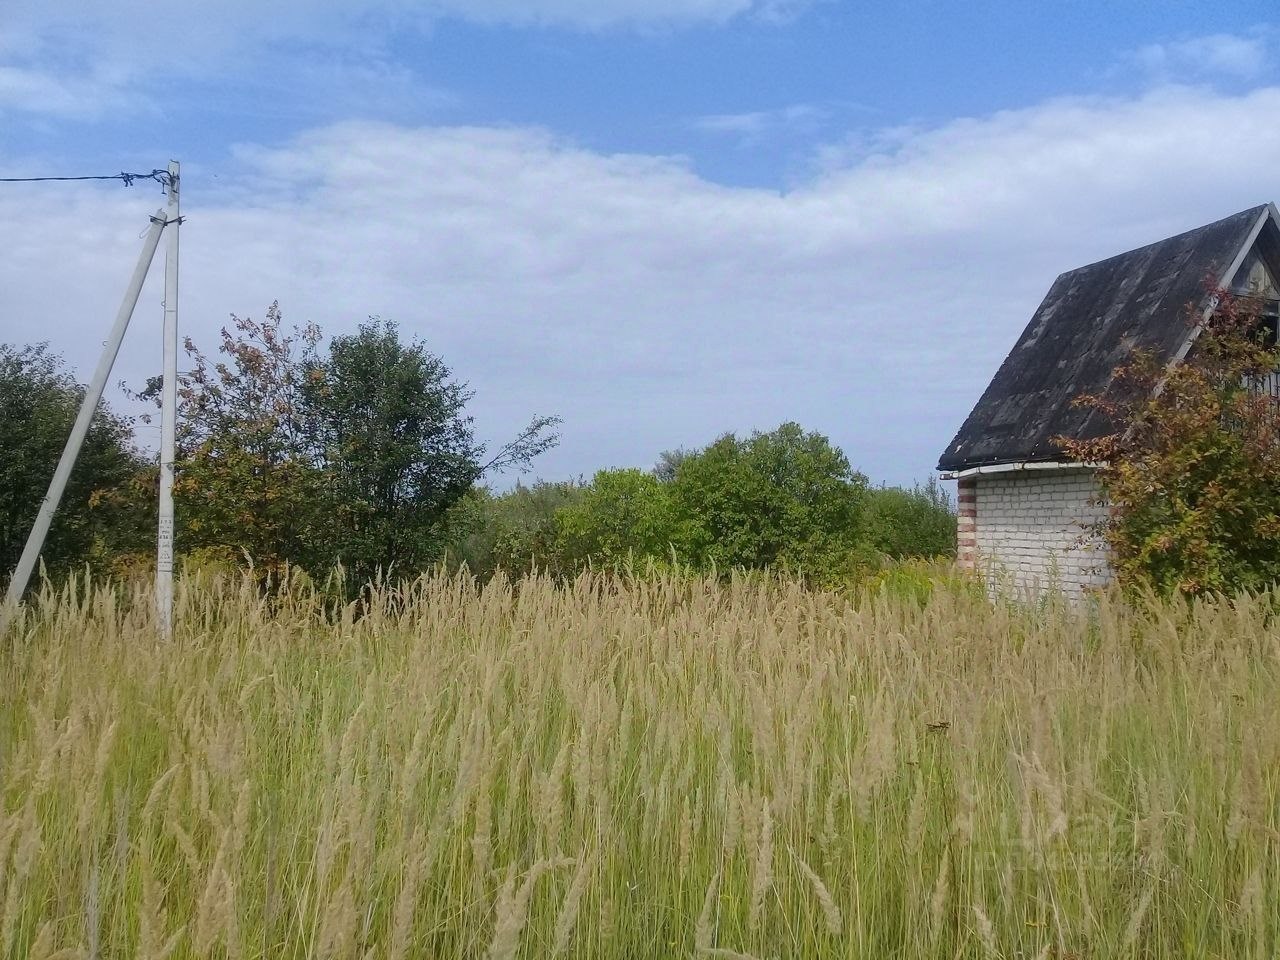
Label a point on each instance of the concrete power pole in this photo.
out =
(168, 412)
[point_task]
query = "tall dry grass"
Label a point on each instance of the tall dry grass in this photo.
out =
(638, 768)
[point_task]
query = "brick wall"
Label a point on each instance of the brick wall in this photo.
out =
(1030, 528)
(966, 522)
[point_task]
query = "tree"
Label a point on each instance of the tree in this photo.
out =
(669, 464)
(397, 448)
(514, 531)
(624, 514)
(108, 507)
(353, 456)
(1192, 468)
(783, 497)
(246, 480)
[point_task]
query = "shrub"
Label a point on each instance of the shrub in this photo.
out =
(919, 522)
(1192, 467)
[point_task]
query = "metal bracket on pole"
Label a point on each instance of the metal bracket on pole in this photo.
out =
(88, 406)
(168, 414)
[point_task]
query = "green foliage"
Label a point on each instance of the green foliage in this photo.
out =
(395, 445)
(786, 497)
(355, 456)
(1192, 471)
(782, 500)
(916, 581)
(247, 482)
(514, 531)
(669, 462)
(361, 456)
(622, 515)
(106, 510)
(919, 522)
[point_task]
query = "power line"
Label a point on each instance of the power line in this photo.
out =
(161, 177)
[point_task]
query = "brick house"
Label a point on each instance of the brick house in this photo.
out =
(1025, 512)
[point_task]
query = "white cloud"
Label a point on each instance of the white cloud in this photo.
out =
(650, 307)
(754, 125)
(82, 58)
(1219, 54)
(54, 93)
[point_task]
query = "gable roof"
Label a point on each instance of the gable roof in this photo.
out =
(1090, 322)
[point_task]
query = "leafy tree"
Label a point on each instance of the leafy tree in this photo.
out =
(108, 507)
(623, 514)
(397, 448)
(783, 497)
(247, 482)
(1192, 468)
(355, 455)
(919, 522)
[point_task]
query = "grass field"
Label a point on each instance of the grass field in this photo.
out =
(657, 767)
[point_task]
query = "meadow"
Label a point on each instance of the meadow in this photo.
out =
(635, 767)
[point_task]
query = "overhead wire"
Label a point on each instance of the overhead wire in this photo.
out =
(161, 177)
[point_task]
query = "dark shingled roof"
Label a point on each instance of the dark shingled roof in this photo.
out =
(1090, 322)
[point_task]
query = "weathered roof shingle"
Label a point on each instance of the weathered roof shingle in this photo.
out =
(1092, 319)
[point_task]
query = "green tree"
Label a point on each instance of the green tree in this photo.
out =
(783, 497)
(397, 448)
(669, 464)
(918, 522)
(355, 455)
(623, 514)
(1192, 468)
(108, 507)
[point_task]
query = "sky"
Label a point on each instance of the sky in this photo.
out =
(660, 220)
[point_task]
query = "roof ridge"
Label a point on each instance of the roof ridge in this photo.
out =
(1203, 228)
(1090, 321)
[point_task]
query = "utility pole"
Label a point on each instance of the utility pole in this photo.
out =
(88, 406)
(168, 411)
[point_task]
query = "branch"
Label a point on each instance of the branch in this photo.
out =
(532, 441)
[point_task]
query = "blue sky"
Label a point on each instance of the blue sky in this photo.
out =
(658, 219)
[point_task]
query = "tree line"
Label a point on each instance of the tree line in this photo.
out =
(357, 453)
(785, 499)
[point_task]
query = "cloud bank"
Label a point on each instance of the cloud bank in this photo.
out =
(647, 306)
(1220, 54)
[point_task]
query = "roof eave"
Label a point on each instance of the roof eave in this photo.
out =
(1017, 467)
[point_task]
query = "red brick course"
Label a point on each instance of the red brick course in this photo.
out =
(966, 521)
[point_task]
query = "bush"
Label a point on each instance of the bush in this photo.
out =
(1192, 467)
(919, 522)
(514, 531)
(623, 515)
(786, 498)
(916, 580)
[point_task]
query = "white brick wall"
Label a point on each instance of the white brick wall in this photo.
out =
(1031, 529)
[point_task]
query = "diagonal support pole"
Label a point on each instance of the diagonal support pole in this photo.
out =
(88, 406)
